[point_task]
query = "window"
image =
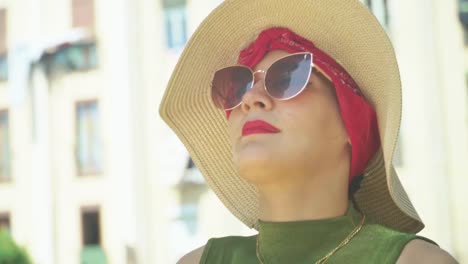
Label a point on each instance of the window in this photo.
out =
(5, 222)
(191, 188)
(463, 15)
(91, 228)
(190, 164)
(3, 45)
(92, 251)
(75, 57)
(466, 77)
(83, 14)
(88, 143)
(175, 21)
(3, 30)
(78, 55)
(4, 147)
(3, 67)
(81, 56)
(465, 36)
(398, 155)
(380, 10)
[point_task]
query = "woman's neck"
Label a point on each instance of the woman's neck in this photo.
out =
(305, 198)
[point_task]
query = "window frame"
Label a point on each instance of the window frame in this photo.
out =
(4, 41)
(169, 26)
(3, 30)
(7, 216)
(82, 171)
(380, 9)
(8, 177)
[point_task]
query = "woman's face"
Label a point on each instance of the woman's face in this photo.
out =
(311, 134)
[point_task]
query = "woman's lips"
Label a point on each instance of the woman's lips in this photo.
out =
(258, 127)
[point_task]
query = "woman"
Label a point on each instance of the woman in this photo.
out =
(291, 112)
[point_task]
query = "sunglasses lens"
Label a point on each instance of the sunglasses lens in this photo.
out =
(229, 85)
(288, 76)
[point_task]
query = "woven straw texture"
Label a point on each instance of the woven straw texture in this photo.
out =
(347, 31)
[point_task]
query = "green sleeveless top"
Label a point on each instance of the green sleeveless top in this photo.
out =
(307, 241)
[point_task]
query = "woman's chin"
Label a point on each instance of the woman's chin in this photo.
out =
(253, 156)
(256, 168)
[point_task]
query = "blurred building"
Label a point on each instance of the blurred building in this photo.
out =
(90, 174)
(67, 131)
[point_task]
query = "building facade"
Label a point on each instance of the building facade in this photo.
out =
(88, 170)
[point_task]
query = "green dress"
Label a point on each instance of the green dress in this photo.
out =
(307, 241)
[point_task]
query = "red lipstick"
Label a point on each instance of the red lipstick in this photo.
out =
(258, 127)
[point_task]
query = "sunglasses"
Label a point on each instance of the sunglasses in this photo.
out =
(286, 78)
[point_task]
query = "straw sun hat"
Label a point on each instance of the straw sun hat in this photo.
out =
(348, 32)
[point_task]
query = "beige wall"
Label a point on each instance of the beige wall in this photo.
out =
(50, 225)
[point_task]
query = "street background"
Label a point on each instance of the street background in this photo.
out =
(89, 173)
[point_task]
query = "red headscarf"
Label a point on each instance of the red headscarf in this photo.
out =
(358, 115)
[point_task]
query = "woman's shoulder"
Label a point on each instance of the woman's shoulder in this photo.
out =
(407, 247)
(218, 247)
(193, 257)
(422, 251)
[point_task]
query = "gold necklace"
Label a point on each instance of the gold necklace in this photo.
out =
(326, 257)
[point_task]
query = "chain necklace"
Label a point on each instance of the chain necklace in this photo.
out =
(326, 257)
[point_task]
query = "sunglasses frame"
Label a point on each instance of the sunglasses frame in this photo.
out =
(265, 72)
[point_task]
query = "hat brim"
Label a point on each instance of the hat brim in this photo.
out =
(347, 31)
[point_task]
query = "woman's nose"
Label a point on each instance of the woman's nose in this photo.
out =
(257, 97)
